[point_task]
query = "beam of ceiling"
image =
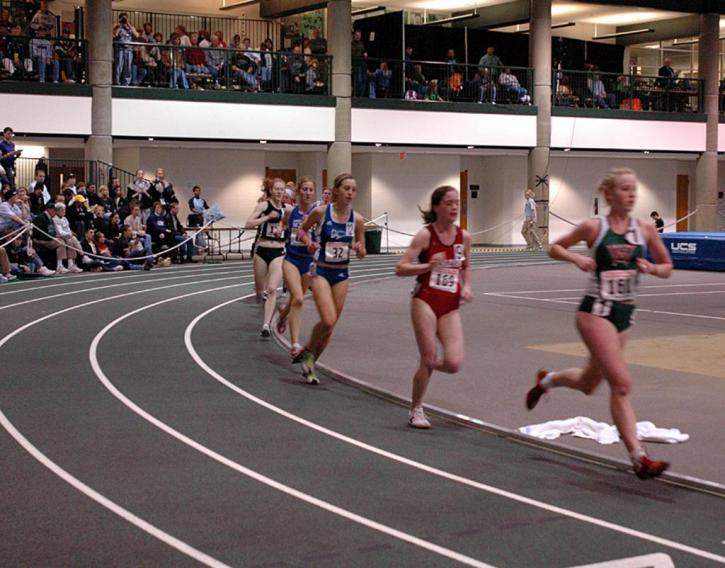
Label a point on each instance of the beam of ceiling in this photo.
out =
(498, 15)
(690, 6)
(686, 26)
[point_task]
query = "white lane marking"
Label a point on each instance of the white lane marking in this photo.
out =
(639, 310)
(131, 283)
(429, 469)
(77, 483)
(581, 289)
(76, 280)
(657, 560)
(658, 294)
(307, 498)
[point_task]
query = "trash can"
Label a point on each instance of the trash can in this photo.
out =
(373, 236)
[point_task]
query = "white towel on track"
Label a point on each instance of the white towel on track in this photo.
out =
(601, 432)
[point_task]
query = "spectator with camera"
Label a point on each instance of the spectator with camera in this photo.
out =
(123, 35)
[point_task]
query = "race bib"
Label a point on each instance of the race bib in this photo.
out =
(618, 285)
(337, 252)
(294, 235)
(273, 230)
(444, 279)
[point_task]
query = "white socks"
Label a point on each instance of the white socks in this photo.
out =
(546, 382)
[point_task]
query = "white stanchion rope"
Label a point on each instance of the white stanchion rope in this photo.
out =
(665, 227)
(5, 240)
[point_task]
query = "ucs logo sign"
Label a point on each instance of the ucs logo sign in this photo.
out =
(686, 248)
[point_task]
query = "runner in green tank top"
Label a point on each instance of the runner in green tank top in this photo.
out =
(617, 243)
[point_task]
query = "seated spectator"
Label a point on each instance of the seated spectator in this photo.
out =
(195, 57)
(178, 235)
(244, 71)
(151, 61)
(416, 81)
(173, 59)
(138, 227)
(296, 70)
(115, 227)
(129, 248)
(78, 215)
(5, 274)
(381, 80)
(220, 37)
(148, 34)
(313, 78)
(600, 98)
(157, 229)
(431, 93)
(23, 258)
(104, 200)
(24, 205)
(98, 220)
(90, 261)
(120, 203)
(215, 60)
(40, 178)
(68, 240)
(10, 212)
(37, 200)
(564, 94)
(81, 189)
(510, 85)
(486, 85)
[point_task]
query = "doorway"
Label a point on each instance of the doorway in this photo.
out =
(683, 202)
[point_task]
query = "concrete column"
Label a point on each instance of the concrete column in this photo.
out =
(99, 23)
(339, 155)
(539, 156)
(706, 183)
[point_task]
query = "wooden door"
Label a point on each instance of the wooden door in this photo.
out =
(464, 200)
(683, 202)
(324, 178)
(286, 175)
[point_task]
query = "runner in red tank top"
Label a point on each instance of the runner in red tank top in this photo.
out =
(442, 250)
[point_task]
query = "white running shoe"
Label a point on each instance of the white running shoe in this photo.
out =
(417, 418)
(75, 269)
(62, 270)
(45, 271)
(117, 268)
(265, 330)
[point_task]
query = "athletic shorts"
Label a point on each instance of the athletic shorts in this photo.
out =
(268, 254)
(301, 263)
(620, 314)
(332, 275)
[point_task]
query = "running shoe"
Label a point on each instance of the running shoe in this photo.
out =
(281, 322)
(265, 330)
(307, 360)
(647, 468)
(417, 418)
(45, 271)
(533, 396)
(295, 352)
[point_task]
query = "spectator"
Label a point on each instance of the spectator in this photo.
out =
(120, 204)
(180, 32)
(157, 229)
(491, 61)
(69, 241)
(105, 201)
(88, 246)
(417, 81)
(658, 221)
(173, 59)
(244, 71)
(178, 235)
(666, 81)
(197, 206)
(9, 155)
(318, 44)
(510, 84)
(98, 221)
(81, 189)
(564, 95)
(149, 63)
(124, 34)
(37, 200)
(139, 190)
(66, 50)
(313, 78)
(23, 258)
(486, 85)
(266, 62)
(359, 66)
(115, 227)
(215, 60)
(381, 80)
(138, 227)
(454, 83)
(43, 25)
(195, 57)
(129, 247)
(91, 194)
(220, 38)
(78, 215)
(204, 42)
(162, 190)
(147, 34)
(69, 185)
(296, 70)
(24, 205)
(431, 93)
(11, 214)
(600, 97)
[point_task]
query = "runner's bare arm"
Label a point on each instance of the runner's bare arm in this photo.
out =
(359, 246)
(408, 265)
(585, 231)
(466, 291)
(256, 218)
(662, 266)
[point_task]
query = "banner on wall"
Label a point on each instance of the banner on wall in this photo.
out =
(696, 251)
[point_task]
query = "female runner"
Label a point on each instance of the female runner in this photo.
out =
(297, 263)
(442, 250)
(341, 229)
(617, 242)
(269, 248)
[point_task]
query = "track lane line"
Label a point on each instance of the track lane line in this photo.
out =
(307, 498)
(429, 469)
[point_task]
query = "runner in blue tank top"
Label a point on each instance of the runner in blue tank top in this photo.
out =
(341, 230)
(297, 263)
(617, 244)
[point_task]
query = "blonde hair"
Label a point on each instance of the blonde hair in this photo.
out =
(529, 193)
(610, 180)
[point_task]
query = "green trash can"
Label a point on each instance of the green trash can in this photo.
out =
(373, 236)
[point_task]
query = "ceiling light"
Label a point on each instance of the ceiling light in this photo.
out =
(470, 147)
(362, 11)
(554, 27)
(625, 18)
(378, 144)
(567, 149)
(622, 34)
(262, 141)
(645, 151)
(151, 139)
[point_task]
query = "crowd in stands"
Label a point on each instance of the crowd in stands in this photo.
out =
(87, 228)
(203, 60)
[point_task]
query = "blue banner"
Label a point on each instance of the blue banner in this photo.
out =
(696, 251)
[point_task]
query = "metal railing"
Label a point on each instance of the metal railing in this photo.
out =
(626, 92)
(440, 81)
(176, 67)
(39, 59)
(58, 170)
(165, 24)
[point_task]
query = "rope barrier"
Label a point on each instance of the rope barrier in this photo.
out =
(665, 227)
(497, 226)
(5, 240)
(135, 258)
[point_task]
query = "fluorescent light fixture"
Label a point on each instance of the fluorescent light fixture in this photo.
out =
(241, 4)
(151, 139)
(622, 34)
(567, 149)
(262, 141)
(645, 151)
(470, 147)
(362, 11)
(378, 144)
(554, 27)
(469, 16)
(690, 41)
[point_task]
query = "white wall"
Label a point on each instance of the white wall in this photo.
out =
(45, 114)
(362, 169)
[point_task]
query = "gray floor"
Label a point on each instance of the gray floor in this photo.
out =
(142, 429)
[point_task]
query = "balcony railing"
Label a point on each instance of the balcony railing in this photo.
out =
(175, 67)
(441, 81)
(626, 92)
(40, 59)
